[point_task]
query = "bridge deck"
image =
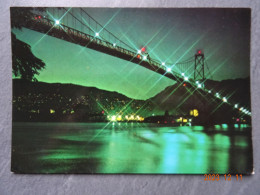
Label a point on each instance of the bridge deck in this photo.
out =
(69, 34)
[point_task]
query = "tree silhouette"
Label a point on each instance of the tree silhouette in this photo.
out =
(25, 64)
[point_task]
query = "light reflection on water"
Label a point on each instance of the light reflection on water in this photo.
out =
(128, 148)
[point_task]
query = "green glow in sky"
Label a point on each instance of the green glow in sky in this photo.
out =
(170, 35)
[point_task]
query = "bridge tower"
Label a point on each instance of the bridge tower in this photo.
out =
(199, 67)
(199, 76)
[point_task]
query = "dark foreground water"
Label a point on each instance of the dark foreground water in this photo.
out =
(129, 148)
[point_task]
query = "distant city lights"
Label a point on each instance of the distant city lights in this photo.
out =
(131, 117)
(120, 118)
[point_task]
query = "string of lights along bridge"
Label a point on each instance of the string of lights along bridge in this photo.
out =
(78, 27)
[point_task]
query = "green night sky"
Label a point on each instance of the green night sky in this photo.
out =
(170, 35)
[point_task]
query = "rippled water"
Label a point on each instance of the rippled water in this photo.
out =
(129, 148)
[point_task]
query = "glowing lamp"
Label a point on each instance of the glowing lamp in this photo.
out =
(169, 69)
(57, 22)
(97, 34)
(113, 118)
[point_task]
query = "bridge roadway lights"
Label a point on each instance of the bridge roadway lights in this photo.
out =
(72, 36)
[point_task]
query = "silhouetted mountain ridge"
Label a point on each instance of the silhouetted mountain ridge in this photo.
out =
(177, 99)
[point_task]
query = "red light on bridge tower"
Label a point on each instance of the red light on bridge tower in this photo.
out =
(143, 49)
(199, 52)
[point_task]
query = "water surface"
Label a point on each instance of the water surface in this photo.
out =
(129, 148)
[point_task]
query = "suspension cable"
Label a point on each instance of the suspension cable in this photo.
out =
(107, 30)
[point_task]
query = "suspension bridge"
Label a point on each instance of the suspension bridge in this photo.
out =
(78, 27)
